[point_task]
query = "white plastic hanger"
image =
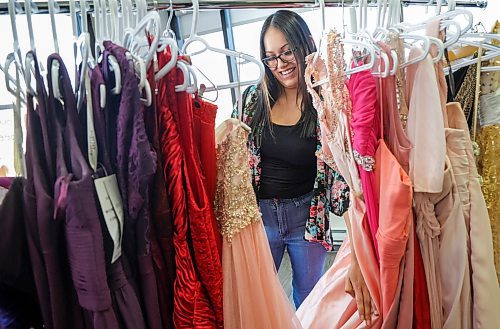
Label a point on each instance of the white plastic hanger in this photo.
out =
(492, 51)
(28, 63)
(323, 27)
(142, 9)
(440, 47)
(368, 66)
(241, 56)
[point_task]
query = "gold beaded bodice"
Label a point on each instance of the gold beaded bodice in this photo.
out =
(235, 203)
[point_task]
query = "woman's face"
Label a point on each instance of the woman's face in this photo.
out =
(275, 44)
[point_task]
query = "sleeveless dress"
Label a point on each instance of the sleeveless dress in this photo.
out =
(192, 307)
(253, 296)
(328, 305)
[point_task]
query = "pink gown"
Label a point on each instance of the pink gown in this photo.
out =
(328, 305)
(440, 221)
(365, 125)
(253, 296)
(485, 289)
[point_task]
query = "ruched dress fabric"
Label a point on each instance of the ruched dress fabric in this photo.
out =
(365, 124)
(103, 289)
(192, 305)
(248, 267)
(328, 305)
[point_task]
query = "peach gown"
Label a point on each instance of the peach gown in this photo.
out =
(253, 297)
(328, 306)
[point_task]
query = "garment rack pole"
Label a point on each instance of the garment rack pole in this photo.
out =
(248, 4)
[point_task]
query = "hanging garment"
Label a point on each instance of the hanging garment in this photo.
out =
(204, 114)
(19, 306)
(395, 212)
(486, 292)
(192, 308)
(136, 166)
(365, 125)
(206, 239)
(411, 304)
(45, 235)
(433, 30)
(162, 234)
(489, 145)
(425, 125)
(248, 268)
(103, 291)
(328, 305)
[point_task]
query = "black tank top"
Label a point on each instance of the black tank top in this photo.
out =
(288, 162)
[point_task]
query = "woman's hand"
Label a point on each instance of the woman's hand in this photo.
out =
(356, 287)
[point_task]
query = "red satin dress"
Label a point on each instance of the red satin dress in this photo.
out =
(197, 278)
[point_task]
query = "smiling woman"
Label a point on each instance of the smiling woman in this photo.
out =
(290, 182)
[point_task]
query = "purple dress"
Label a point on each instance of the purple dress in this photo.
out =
(103, 291)
(136, 166)
(44, 235)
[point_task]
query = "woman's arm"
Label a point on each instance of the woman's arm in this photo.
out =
(355, 284)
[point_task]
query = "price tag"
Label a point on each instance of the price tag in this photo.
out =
(112, 210)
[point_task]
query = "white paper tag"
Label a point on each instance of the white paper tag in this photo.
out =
(112, 209)
(91, 139)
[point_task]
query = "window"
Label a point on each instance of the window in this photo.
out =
(44, 47)
(211, 69)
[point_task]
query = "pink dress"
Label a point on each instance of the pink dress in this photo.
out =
(440, 222)
(253, 296)
(365, 125)
(486, 292)
(328, 305)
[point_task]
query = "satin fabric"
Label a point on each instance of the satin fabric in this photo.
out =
(365, 123)
(411, 304)
(328, 305)
(204, 114)
(206, 239)
(192, 308)
(485, 289)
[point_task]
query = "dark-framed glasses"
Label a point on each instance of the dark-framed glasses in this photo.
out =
(286, 57)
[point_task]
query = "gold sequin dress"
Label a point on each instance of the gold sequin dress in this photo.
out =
(253, 296)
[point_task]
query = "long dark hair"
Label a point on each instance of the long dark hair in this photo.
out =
(299, 38)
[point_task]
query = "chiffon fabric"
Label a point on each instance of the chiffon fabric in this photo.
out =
(56, 296)
(253, 296)
(328, 305)
(103, 289)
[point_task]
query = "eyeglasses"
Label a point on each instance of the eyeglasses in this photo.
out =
(286, 57)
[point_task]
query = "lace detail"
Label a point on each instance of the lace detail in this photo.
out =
(366, 162)
(235, 204)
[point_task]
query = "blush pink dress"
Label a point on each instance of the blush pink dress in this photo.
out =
(328, 305)
(253, 296)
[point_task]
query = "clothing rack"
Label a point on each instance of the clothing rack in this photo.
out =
(42, 6)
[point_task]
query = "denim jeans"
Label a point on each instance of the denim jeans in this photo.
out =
(285, 222)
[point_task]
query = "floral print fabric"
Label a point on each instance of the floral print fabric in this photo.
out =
(330, 194)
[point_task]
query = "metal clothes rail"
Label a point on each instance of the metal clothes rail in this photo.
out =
(42, 6)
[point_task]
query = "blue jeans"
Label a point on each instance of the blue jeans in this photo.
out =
(285, 223)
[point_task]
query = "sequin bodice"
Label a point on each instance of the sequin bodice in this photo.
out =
(235, 203)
